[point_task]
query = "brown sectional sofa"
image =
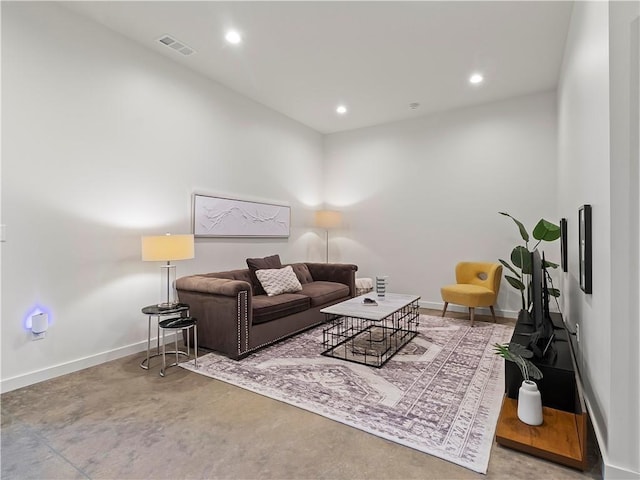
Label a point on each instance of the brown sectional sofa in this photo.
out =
(235, 321)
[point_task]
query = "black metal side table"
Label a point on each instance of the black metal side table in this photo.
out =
(156, 311)
(179, 324)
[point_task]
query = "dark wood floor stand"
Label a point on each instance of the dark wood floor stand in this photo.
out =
(562, 437)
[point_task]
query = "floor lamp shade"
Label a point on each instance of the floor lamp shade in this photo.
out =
(165, 248)
(328, 219)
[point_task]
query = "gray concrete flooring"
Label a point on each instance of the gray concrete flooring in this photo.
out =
(117, 421)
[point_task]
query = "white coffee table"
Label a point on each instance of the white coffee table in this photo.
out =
(367, 334)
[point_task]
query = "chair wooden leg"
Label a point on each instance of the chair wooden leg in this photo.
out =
(472, 312)
(444, 310)
(493, 314)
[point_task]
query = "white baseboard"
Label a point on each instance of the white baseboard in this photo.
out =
(609, 471)
(460, 308)
(24, 380)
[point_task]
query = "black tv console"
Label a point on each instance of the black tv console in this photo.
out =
(562, 437)
(558, 385)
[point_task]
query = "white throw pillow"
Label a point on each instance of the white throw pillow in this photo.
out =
(279, 280)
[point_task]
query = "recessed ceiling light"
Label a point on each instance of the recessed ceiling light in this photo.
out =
(341, 109)
(476, 78)
(233, 36)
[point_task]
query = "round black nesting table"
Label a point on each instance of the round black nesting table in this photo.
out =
(159, 311)
(182, 324)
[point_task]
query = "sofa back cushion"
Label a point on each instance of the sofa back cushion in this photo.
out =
(322, 292)
(254, 264)
(302, 272)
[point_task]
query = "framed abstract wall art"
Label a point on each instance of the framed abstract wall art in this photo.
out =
(227, 217)
(563, 245)
(584, 247)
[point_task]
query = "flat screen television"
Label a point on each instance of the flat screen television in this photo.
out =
(542, 335)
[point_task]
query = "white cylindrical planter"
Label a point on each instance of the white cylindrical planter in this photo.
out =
(529, 403)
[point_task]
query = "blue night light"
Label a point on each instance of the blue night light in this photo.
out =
(26, 322)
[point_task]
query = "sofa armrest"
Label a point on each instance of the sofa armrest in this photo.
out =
(223, 309)
(212, 285)
(335, 272)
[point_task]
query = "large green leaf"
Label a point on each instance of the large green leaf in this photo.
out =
(550, 264)
(521, 350)
(523, 231)
(546, 231)
(519, 355)
(534, 372)
(554, 292)
(514, 282)
(502, 350)
(503, 262)
(521, 258)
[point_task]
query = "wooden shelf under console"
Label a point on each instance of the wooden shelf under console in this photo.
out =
(562, 437)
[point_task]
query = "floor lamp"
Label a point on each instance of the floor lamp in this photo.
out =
(165, 248)
(328, 219)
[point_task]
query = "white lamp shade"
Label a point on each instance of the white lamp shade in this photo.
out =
(328, 219)
(164, 248)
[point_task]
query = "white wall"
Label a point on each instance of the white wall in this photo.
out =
(595, 167)
(105, 141)
(624, 95)
(583, 177)
(422, 194)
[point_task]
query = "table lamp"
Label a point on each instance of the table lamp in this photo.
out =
(165, 248)
(328, 219)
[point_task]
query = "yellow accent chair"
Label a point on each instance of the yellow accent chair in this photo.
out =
(477, 285)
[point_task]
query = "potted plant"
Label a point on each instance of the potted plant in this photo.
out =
(529, 399)
(520, 264)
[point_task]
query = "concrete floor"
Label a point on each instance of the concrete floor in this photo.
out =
(117, 421)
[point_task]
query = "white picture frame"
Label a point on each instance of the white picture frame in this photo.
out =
(227, 217)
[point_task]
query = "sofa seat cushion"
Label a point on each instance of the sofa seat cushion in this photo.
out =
(321, 292)
(267, 308)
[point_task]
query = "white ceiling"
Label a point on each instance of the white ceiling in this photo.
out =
(304, 58)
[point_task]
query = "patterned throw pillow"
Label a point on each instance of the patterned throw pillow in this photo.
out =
(279, 280)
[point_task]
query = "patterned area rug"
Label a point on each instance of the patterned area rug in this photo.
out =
(440, 394)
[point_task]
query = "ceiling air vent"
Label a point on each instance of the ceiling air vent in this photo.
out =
(175, 44)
